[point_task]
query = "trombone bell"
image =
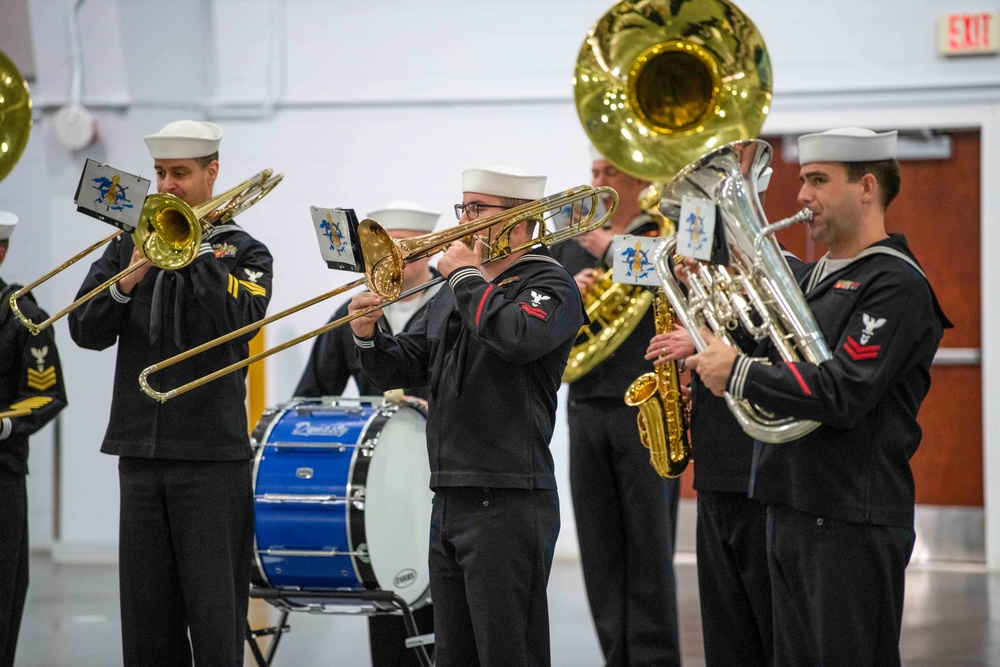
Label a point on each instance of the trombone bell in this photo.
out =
(169, 232)
(384, 259)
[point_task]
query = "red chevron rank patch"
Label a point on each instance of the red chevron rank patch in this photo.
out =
(531, 310)
(860, 352)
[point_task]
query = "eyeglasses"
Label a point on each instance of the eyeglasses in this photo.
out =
(472, 209)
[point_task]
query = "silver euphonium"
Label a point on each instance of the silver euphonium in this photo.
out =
(757, 289)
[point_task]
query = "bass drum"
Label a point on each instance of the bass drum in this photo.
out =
(342, 499)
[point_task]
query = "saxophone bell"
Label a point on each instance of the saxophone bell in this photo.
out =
(662, 418)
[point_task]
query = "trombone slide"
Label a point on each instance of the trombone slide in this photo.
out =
(384, 260)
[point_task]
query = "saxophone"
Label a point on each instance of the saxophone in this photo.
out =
(661, 418)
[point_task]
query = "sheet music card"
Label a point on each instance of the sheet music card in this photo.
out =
(633, 259)
(696, 228)
(337, 234)
(111, 195)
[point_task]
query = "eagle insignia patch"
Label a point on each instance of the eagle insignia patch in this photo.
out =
(861, 351)
(871, 324)
(537, 304)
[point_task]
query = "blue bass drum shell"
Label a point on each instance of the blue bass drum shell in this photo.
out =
(341, 497)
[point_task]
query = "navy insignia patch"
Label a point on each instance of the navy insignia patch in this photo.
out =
(849, 285)
(224, 250)
(860, 352)
(537, 305)
(871, 324)
(32, 403)
(41, 378)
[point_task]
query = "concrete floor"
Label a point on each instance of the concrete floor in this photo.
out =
(951, 617)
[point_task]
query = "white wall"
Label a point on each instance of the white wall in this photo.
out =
(360, 104)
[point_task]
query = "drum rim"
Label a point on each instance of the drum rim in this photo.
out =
(422, 597)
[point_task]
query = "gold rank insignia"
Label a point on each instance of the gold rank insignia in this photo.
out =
(253, 288)
(32, 403)
(43, 377)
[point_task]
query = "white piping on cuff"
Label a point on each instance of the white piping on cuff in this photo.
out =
(117, 295)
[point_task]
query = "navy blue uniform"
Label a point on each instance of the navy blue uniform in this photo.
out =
(841, 499)
(492, 354)
(186, 524)
(30, 378)
(626, 514)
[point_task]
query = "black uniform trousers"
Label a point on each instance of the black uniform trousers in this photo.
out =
(733, 581)
(490, 557)
(186, 544)
(626, 522)
(13, 560)
(837, 589)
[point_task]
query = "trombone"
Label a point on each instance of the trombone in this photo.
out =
(168, 236)
(384, 259)
(22, 412)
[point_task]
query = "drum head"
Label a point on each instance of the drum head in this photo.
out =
(398, 507)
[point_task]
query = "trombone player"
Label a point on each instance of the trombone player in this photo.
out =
(626, 514)
(30, 379)
(492, 346)
(186, 523)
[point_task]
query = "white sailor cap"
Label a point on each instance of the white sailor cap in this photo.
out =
(403, 214)
(847, 144)
(7, 222)
(503, 181)
(596, 155)
(184, 139)
(764, 180)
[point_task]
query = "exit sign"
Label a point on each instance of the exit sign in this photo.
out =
(969, 34)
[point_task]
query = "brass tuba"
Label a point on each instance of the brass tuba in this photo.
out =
(168, 235)
(657, 84)
(758, 291)
(15, 115)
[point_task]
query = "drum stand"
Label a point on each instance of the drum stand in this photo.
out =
(285, 600)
